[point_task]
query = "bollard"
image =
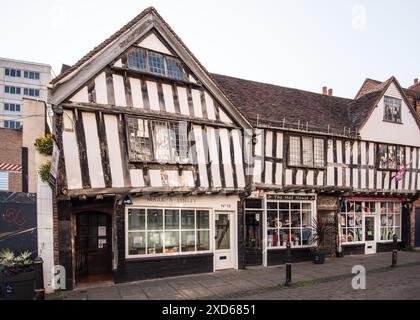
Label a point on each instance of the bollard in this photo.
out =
(394, 251)
(288, 282)
(39, 279)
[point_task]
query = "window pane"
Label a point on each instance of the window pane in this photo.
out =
(272, 219)
(172, 242)
(187, 241)
(137, 60)
(156, 64)
(296, 223)
(161, 141)
(273, 239)
(136, 243)
(284, 219)
(171, 219)
(306, 236)
(187, 219)
(203, 240)
(154, 219)
(154, 243)
(306, 219)
(174, 69)
(319, 160)
(308, 157)
(136, 219)
(203, 220)
(294, 151)
(295, 237)
(272, 205)
(179, 141)
(392, 109)
(284, 206)
(140, 142)
(222, 232)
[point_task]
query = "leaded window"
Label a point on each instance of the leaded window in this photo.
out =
(390, 157)
(392, 109)
(161, 141)
(306, 151)
(156, 63)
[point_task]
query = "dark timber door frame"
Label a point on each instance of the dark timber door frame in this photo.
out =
(417, 228)
(253, 237)
(93, 244)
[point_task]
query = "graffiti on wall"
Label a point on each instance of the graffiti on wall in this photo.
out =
(18, 221)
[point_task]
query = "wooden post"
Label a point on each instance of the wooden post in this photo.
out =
(394, 251)
(39, 279)
(288, 282)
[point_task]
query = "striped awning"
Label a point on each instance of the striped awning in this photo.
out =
(10, 167)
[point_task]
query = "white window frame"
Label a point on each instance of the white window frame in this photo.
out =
(377, 217)
(266, 229)
(6, 175)
(143, 256)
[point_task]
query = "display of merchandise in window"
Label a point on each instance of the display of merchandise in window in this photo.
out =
(167, 231)
(289, 221)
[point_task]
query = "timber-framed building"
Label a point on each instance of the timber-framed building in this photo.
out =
(166, 169)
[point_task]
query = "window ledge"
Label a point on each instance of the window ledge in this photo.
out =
(393, 122)
(306, 167)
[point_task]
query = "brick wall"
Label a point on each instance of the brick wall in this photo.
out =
(11, 152)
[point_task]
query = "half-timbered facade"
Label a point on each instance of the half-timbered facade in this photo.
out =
(320, 156)
(166, 169)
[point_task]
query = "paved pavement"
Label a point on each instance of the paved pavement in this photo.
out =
(331, 280)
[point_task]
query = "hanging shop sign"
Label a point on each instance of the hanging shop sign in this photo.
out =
(284, 197)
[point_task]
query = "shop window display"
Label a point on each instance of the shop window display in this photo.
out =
(288, 221)
(167, 231)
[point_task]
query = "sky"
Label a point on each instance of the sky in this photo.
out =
(303, 44)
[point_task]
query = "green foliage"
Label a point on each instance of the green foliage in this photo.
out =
(45, 144)
(44, 171)
(8, 259)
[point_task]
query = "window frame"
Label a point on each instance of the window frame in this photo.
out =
(172, 156)
(301, 152)
(180, 229)
(290, 228)
(165, 58)
(400, 109)
(398, 160)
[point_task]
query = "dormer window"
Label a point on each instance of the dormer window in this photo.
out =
(156, 63)
(392, 110)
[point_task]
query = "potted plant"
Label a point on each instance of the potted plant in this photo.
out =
(322, 230)
(17, 276)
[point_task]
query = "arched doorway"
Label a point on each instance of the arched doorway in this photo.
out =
(93, 242)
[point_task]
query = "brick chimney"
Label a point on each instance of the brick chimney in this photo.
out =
(416, 81)
(330, 92)
(325, 91)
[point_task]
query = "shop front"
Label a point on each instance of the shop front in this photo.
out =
(367, 225)
(271, 221)
(171, 236)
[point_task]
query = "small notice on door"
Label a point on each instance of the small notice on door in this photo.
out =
(101, 243)
(102, 231)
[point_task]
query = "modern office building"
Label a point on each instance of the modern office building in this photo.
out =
(18, 80)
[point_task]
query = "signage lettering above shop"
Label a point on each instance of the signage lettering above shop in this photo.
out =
(172, 200)
(282, 197)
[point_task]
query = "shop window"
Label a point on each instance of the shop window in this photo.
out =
(392, 109)
(390, 213)
(390, 157)
(289, 221)
(351, 222)
(169, 142)
(306, 152)
(167, 231)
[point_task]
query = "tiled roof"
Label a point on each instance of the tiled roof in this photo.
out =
(267, 102)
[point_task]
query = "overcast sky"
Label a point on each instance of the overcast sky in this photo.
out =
(304, 44)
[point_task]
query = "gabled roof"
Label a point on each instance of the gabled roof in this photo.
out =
(147, 20)
(269, 103)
